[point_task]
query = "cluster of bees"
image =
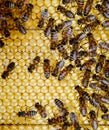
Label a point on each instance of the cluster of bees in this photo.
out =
(100, 78)
(31, 113)
(13, 13)
(68, 37)
(65, 119)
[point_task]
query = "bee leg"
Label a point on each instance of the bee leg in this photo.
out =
(25, 120)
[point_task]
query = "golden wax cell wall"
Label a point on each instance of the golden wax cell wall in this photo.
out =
(22, 89)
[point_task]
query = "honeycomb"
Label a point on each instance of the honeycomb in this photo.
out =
(23, 89)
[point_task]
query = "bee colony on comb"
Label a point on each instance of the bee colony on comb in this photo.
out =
(54, 57)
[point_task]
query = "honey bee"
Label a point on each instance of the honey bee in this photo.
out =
(82, 104)
(67, 34)
(52, 121)
(89, 18)
(8, 14)
(31, 68)
(5, 74)
(11, 66)
(59, 103)
(73, 40)
(57, 120)
(59, 27)
(81, 36)
(46, 68)
(91, 26)
(62, 51)
(88, 7)
(25, 16)
(87, 64)
(78, 62)
(97, 103)
(74, 52)
(5, 28)
(63, 25)
(49, 27)
(9, 4)
(102, 98)
(30, 113)
(81, 21)
(99, 65)
(74, 121)
(36, 60)
(87, 97)
(105, 23)
(43, 18)
(29, 7)
(54, 39)
(104, 45)
(92, 45)
(19, 26)
(21, 3)
(93, 120)
(58, 67)
(83, 94)
(65, 125)
(80, 4)
(65, 72)
(103, 108)
(101, 79)
(82, 53)
(4, 14)
(73, 55)
(67, 1)
(61, 119)
(105, 117)
(27, 114)
(106, 69)
(77, 38)
(104, 12)
(41, 110)
(1, 43)
(66, 12)
(105, 3)
(64, 112)
(99, 87)
(86, 77)
(79, 89)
